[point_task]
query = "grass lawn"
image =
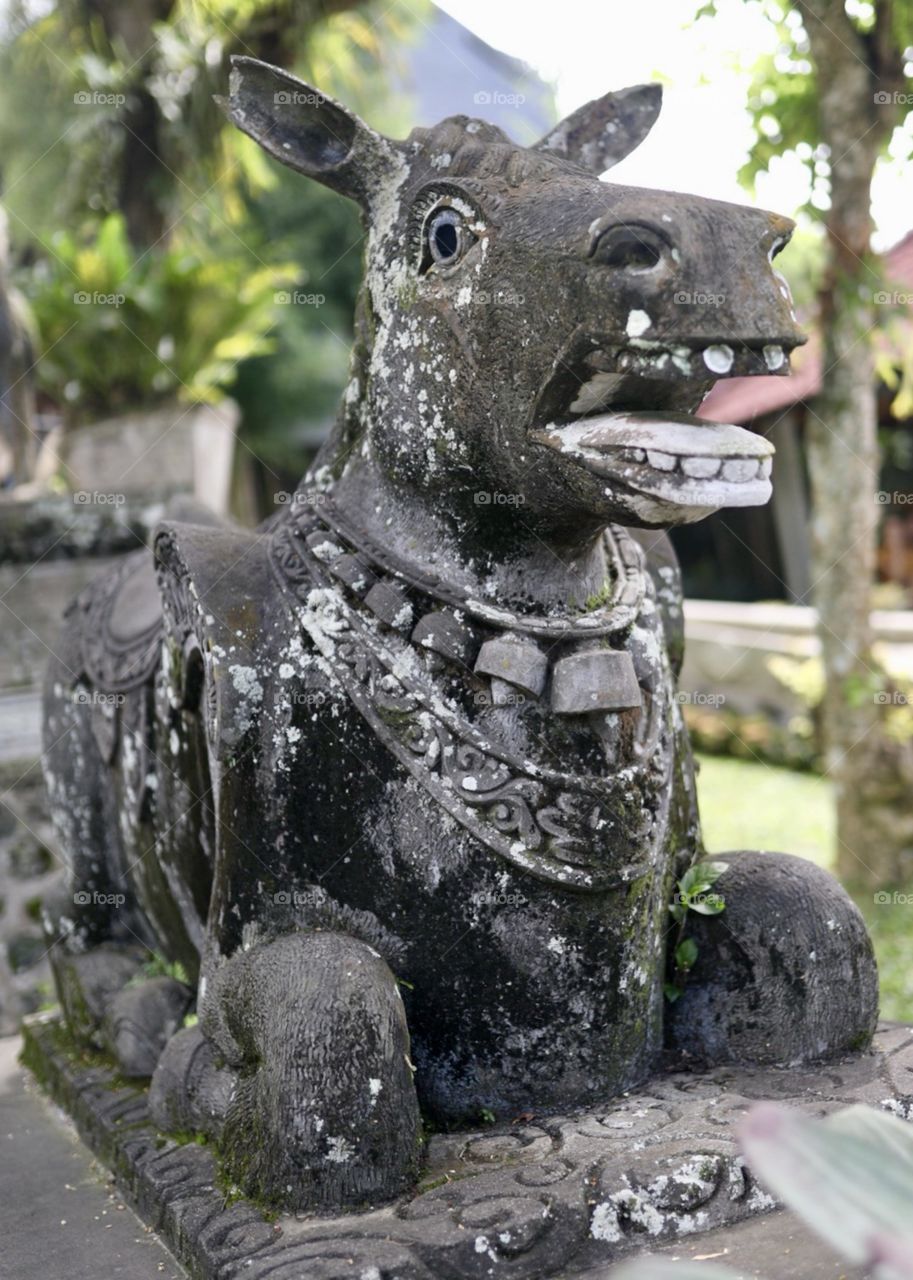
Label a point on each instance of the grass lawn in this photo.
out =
(756, 806)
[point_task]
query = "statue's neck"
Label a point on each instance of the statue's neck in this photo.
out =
(492, 551)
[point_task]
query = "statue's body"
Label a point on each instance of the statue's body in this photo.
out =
(408, 760)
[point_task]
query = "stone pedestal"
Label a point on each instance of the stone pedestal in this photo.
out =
(542, 1196)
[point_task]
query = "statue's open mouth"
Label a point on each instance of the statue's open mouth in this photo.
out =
(627, 412)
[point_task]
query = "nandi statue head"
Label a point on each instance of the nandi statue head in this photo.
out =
(527, 329)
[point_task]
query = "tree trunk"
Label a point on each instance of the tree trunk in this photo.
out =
(874, 821)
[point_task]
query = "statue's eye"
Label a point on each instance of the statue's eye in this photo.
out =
(445, 235)
(634, 248)
(447, 238)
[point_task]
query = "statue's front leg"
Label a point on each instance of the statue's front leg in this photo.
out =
(302, 1074)
(785, 974)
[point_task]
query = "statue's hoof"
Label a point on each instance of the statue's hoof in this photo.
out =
(142, 1019)
(786, 974)
(191, 1089)
(325, 1111)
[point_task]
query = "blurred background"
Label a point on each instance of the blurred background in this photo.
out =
(176, 319)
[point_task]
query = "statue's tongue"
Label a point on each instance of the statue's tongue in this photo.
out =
(678, 434)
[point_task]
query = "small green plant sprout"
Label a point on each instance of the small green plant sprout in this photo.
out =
(849, 1177)
(487, 1116)
(694, 892)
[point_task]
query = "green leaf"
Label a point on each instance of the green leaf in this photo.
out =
(686, 954)
(672, 992)
(677, 911)
(701, 876)
(709, 904)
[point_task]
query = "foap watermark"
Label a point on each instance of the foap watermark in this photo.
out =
(305, 498)
(93, 98)
(298, 897)
(891, 698)
(501, 899)
(884, 899)
(85, 498)
(498, 298)
(95, 698)
(82, 298)
(698, 698)
(316, 698)
(894, 99)
(298, 98)
(95, 899)
(893, 498)
(298, 298)
(498, 98)
(697, 298)
(892, 298)
(507, 697)
(493, 498)
(707, 903)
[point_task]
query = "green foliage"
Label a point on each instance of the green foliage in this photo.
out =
(694, 892)
(118, 332)
(66, 159)
(157, 966)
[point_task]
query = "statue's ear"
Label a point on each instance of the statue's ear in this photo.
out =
(306, 130)
(599, 134)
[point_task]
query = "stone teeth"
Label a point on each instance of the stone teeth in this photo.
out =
(774, 357)
(719, 358)
(661, 461)
(740, 469)
(635, 455)
(765, 468)
(701, 468)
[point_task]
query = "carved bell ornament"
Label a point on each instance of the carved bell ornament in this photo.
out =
(595, 680)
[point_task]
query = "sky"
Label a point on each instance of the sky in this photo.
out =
(585, 47)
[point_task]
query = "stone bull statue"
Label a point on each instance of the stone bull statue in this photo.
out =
(400, 778)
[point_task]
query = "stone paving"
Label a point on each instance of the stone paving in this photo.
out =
(61, 1217)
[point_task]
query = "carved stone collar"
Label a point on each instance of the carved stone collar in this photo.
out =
(581, 829)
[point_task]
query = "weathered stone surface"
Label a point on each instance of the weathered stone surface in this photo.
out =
(545, 1196)
(786, 974)
(192, 1087)
(140, 1021)
(595, 680)
(324, 1110)
(87, 983)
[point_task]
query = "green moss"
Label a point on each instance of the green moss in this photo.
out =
(599, 598)
(33, 909)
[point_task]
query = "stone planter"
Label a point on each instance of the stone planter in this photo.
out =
(173, 449)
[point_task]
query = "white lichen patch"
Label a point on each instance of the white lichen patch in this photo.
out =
(638, 323)
(340, 1150)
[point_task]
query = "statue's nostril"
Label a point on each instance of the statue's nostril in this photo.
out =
(629, 247)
